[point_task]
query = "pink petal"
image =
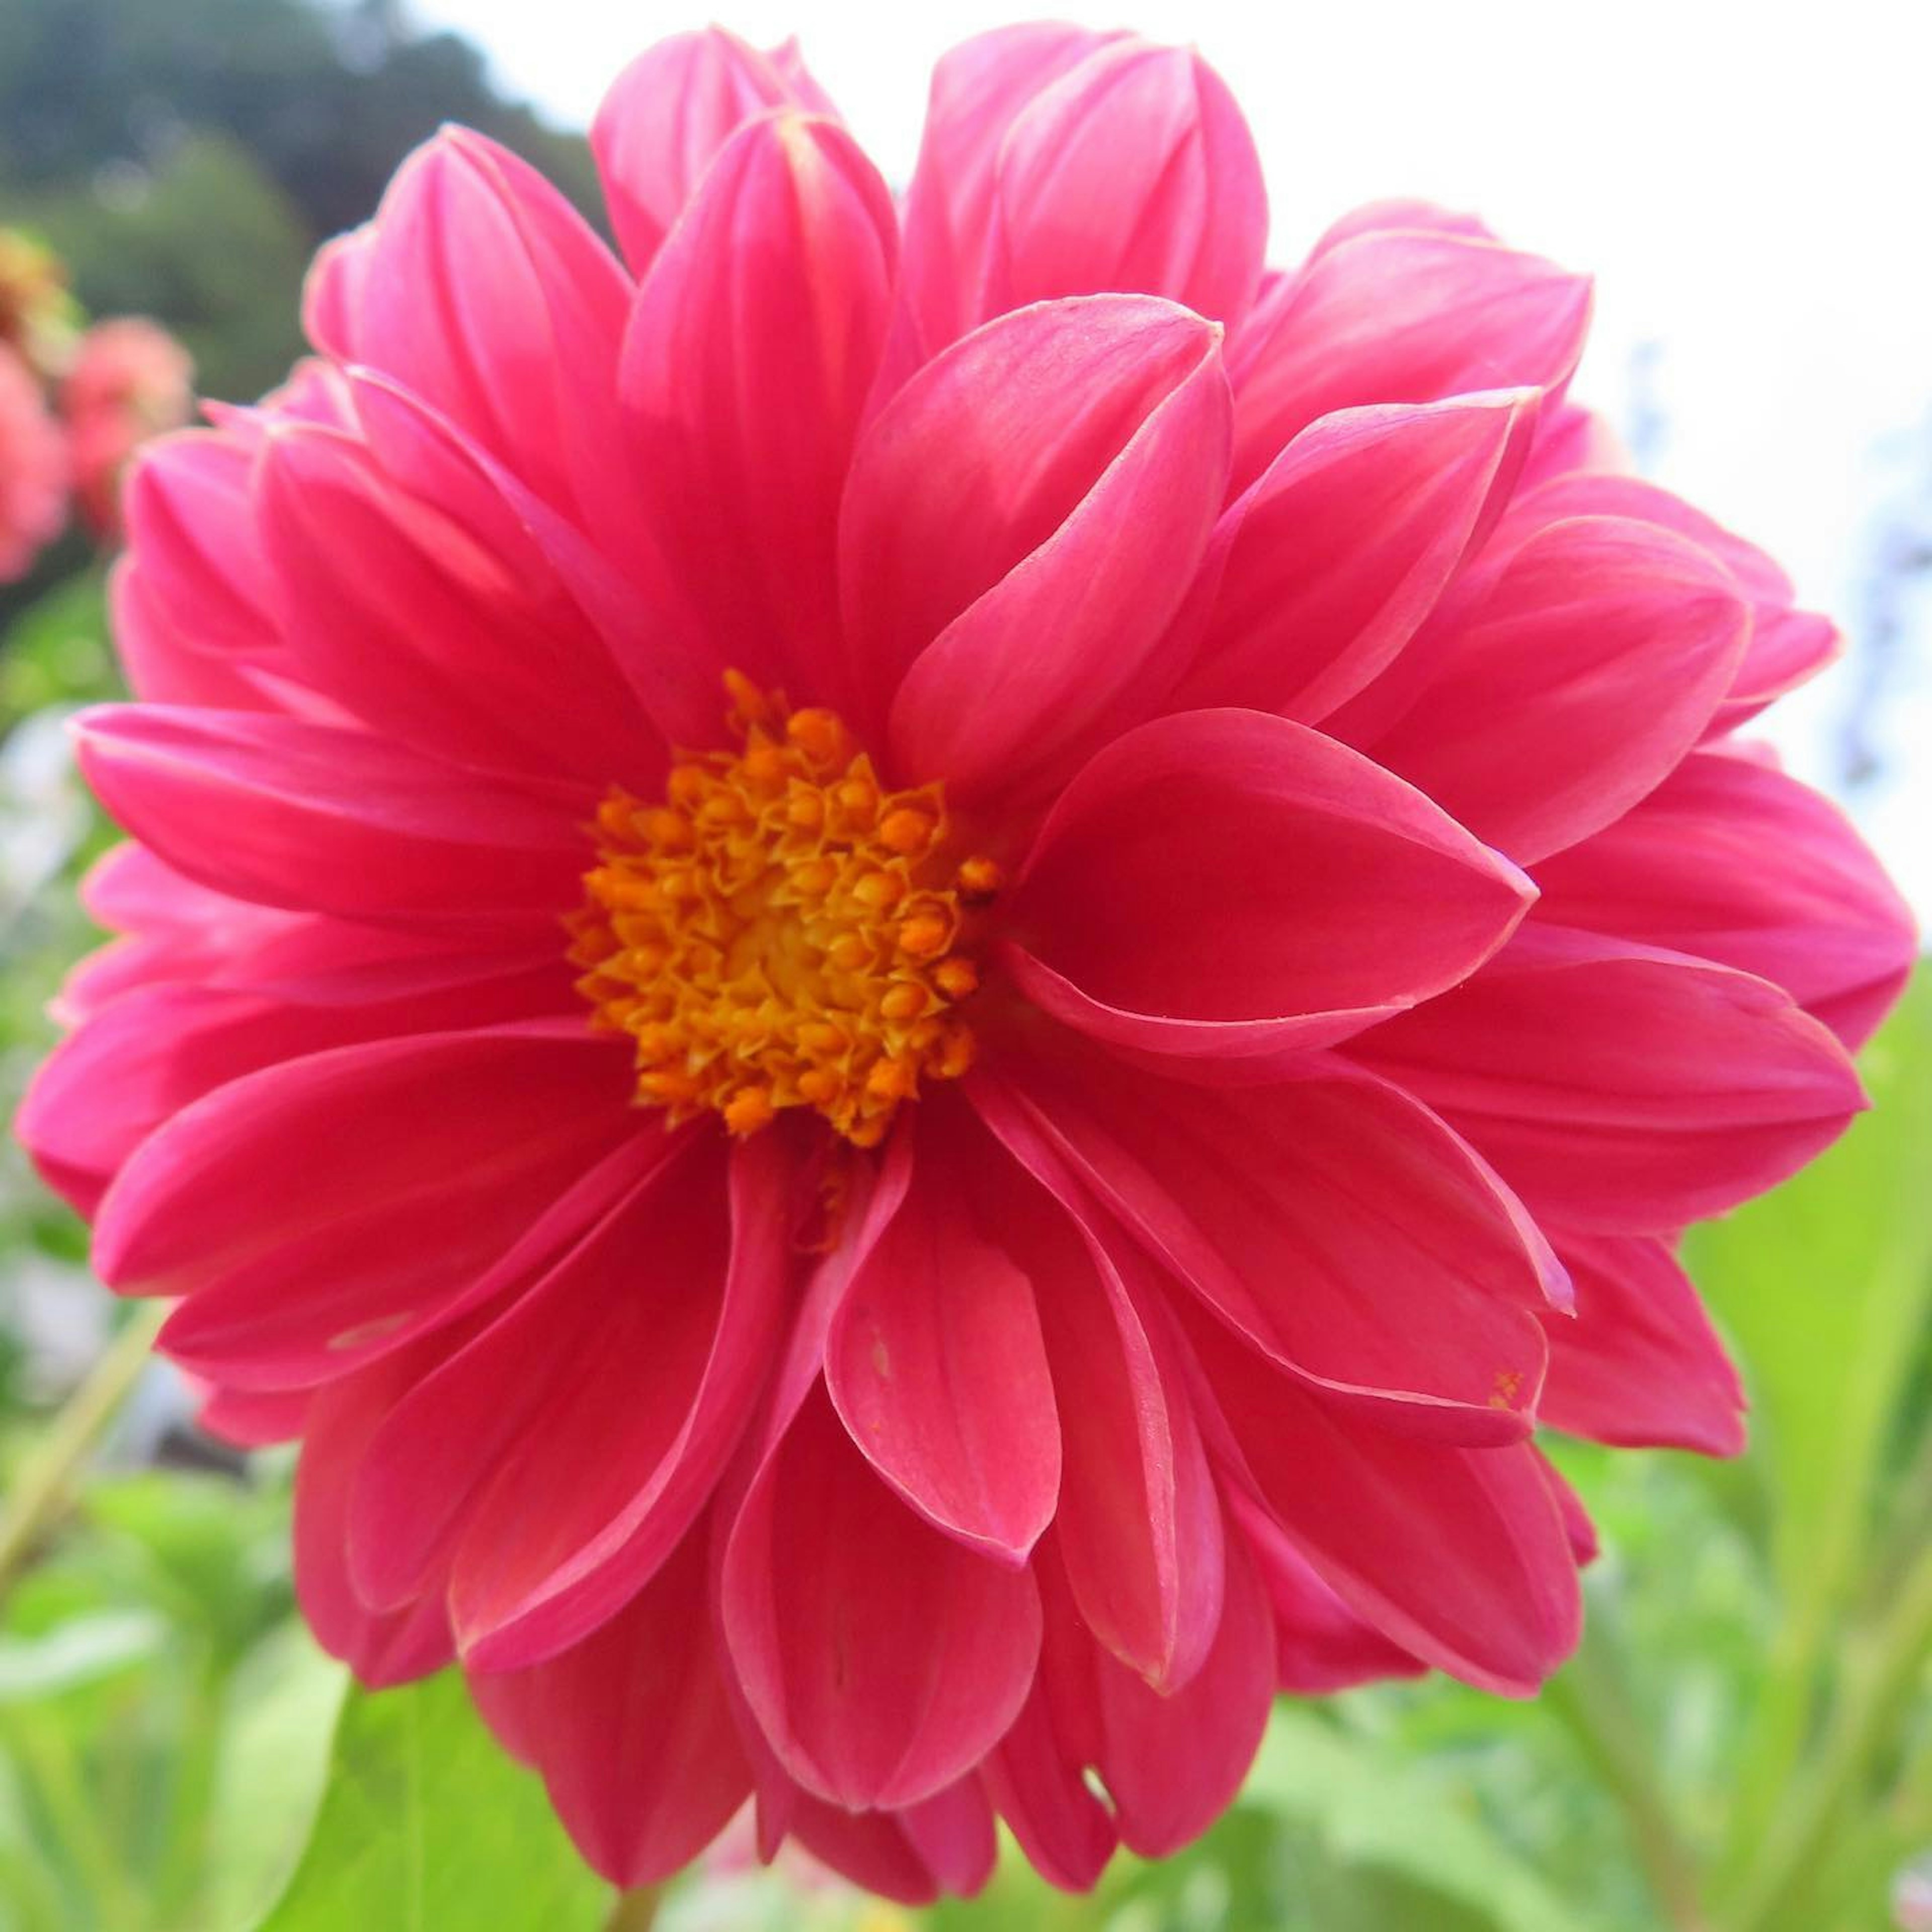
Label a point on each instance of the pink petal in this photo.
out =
(916, 1855)
(1381, 217)
(1576, 683)
(631, 1729)
(373, 583)
(1459, 1556)
(751, 348)
(1139, 1526)
(1620, 1089)
(629, 1395)
(334, 291)
(381, 1648)
(145, 1057)
(1029, 672)
(1039, 1785)
(668, 115)
(1739, 863)
(1574, 438)
(319, 817)
(326, 1207)
(176, 929)
(1403, 317)
(250, 1419)
(882, 1658)
(1584, 1546)
(190, 524)
(788, 60)
(1332, 560)
(1334, 1223)
(614, 579)
(1010, 459)
(936, 1365)
(1322, 1646)
(487, 294)
(1135, 172)
(978, 90)
(953, 1833)
(1787, 647)
(165, 663)
(1640, 1366)
(1226, 883)
(1172, 1764)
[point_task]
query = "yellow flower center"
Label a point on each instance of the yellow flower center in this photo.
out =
(782, 931)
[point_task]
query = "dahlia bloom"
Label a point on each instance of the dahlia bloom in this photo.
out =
(913, 974)
(33, 470)
(130, 380)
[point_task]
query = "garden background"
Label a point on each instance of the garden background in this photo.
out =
(1744, 1743)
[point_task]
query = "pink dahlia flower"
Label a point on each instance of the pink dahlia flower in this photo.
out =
(913, 973)
(130, 380)
(33, 469)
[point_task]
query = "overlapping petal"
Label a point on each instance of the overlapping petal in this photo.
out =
(330, 1206)
(1396, 315)
(1573, 678)
(1733, 861)
(1459, 1555)
(1198, 890)
(485, 293)
(668, 115)
(632, 1728)
(1330, 563)
(936, 1364)
(321, 818)
(981, 549)
(1331, 1220)
(1640, 1365)
(882, 1657)
(1622, 1089)
(750, 350)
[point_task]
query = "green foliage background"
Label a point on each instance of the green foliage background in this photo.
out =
(1744, 1745)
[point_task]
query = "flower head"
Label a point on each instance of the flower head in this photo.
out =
(912, 974)
(33, 469)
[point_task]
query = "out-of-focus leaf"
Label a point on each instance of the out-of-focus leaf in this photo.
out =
(426, 1824)
(212, 1551)
(281, 1705)
(56, 649)
(1377, 1812)
(77, 1653)
(1826, 1286)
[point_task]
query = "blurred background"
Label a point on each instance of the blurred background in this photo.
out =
(1745, 1743)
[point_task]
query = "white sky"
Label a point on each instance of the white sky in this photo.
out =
(1751, 184)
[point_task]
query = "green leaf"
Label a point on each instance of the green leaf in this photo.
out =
(426, 1825)
(80, 1652)
(271, 1762)
(1378, 1813)
(1826, 1286)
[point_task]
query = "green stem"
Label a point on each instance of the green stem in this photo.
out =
(635, 1911)
(41, 1494)
(1591, 1699)
(1879, 1675)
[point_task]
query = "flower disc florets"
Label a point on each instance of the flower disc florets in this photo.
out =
(780, 931)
